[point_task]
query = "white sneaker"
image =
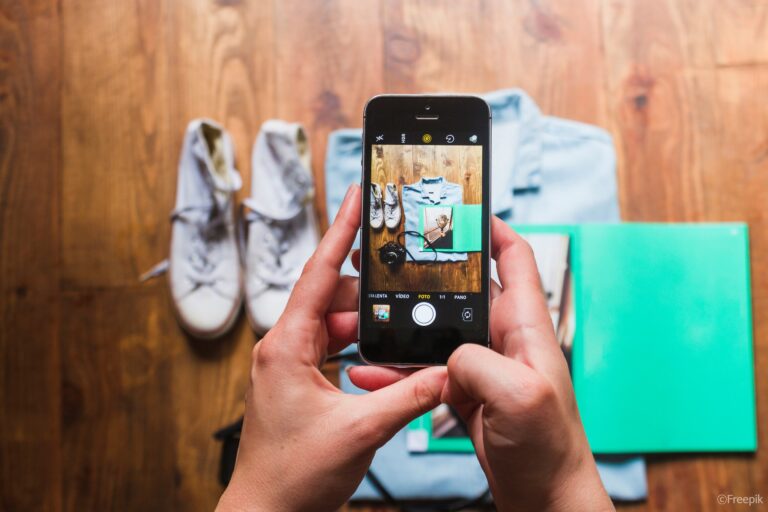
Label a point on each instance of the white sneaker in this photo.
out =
(204, 269)
(392, 212)
(377, 209)
(282, 228)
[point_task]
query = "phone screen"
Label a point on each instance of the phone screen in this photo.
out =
(424, 259)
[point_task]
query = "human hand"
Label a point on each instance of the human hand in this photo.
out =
(517, 398)
(305, 445)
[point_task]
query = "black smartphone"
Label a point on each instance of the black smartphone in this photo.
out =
(425, 256)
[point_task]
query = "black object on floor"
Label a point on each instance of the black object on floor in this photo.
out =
(230, 438)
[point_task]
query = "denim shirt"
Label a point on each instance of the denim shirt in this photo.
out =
(428, 192)
(548, 170)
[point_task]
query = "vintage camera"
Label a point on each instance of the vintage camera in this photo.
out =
(392, 253)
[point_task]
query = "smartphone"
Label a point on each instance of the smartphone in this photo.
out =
(425, 256)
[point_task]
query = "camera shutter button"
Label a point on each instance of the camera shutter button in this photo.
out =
(423, 313)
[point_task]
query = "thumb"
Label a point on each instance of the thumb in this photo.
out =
(478, 375)
(392, 407)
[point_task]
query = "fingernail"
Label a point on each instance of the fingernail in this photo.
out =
(346, 204)
(347, 368)
(349, 191)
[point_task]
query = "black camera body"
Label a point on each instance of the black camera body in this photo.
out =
(392, 253)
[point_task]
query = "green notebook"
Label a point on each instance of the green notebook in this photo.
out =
(662, 357)
(467, 222)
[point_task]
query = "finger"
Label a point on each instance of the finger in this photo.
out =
(391, 408)
(515, 263)
(506, 396)
(371, 378)
(336, 346)
(342, 330)
(479, 376)
(520, 321)
(345, 298)
(316, 287)
(355, 257)
(495, 289)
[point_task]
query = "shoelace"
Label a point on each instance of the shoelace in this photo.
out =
(390, 212)
(377, 204)
(203, 260)
(276, 241)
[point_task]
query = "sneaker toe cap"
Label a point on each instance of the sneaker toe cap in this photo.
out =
(205, 313)
(265, 309)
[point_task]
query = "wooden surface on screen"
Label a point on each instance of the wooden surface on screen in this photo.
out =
(406, 165)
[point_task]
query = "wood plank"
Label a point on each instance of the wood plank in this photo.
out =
(741, 33)
(685, 156)
(118, 156)
(553, 50)
(142, 401)
(118, 401)
(656, 106)
(329, 63)
(30, 79)
(222, 62)
(209, 384)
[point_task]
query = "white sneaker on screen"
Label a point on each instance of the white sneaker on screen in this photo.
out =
(377, 207)
(392, 212)
(282, 230)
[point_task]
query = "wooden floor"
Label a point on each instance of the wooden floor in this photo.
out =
(104, 404)
(461, 165)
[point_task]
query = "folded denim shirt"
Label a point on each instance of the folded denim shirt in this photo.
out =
(428, 192)
(547, 170)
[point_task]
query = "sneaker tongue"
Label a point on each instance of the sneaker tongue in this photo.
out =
(217, 171)
(284, 183)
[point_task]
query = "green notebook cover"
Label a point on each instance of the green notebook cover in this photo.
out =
(662, 359)
(467, 228)
(419, 438)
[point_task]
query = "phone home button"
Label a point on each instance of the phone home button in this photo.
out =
(423, 313)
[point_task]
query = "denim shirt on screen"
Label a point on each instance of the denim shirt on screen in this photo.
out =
(545, 170)
(428, 192)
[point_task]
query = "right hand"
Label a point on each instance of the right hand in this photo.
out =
(517, 398)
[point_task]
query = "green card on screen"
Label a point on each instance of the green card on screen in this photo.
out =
(456, 228)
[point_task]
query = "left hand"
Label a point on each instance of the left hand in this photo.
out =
(305, 445)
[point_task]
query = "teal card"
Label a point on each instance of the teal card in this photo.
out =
(662, 357)
(420, 437)
(467, 222)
